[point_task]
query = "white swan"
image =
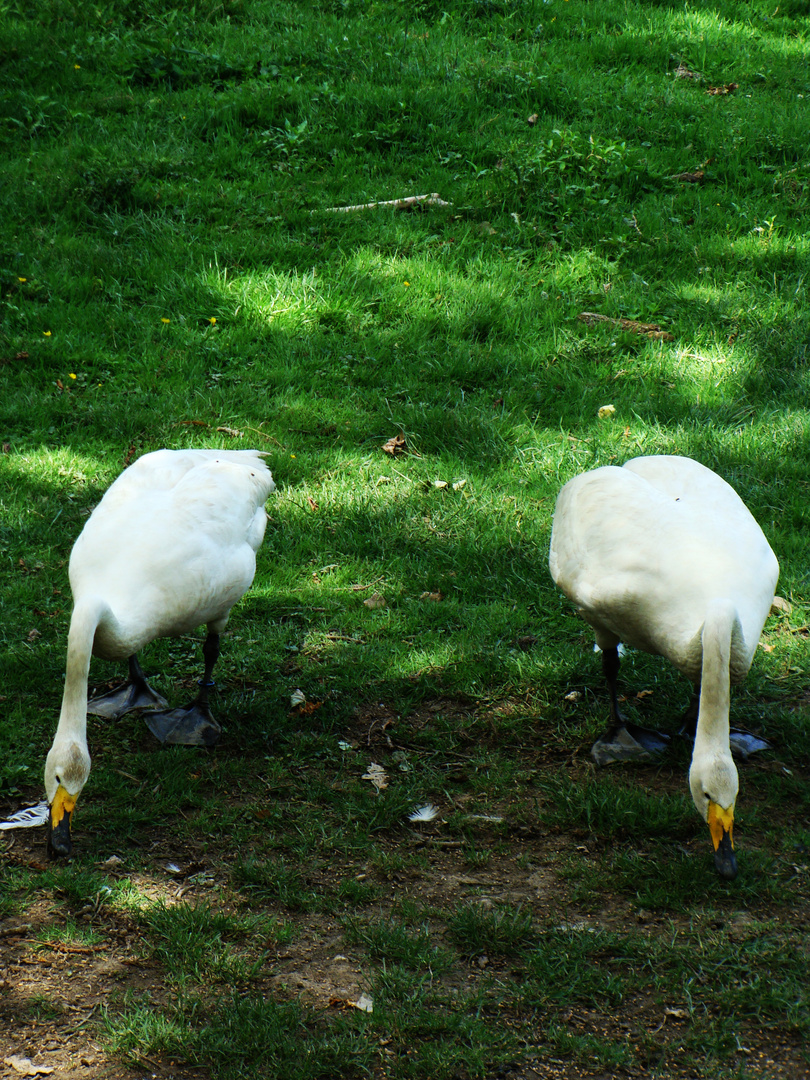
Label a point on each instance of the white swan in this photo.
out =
(663, 555)
(171, 545)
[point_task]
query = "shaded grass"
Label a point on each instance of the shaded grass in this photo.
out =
(171, 273)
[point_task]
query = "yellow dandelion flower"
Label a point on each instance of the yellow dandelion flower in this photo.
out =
(165, 320)
(213, 320)
(292, 455)
(22, 280)
(71, 376)
(77, 67)
(406, 283)
(47, 333)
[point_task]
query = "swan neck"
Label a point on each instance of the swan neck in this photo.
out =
(715, 688)
(84, 621)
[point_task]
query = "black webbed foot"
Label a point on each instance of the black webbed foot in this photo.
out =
(134, 694)
(628, 742)
(190, 725)
(742, 743)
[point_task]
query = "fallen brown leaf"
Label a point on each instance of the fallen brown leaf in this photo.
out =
(396, 445)
(309, 707)
(721, 91)
(696, 177)
(364, 1003)
(435, 596)
(340, 1003)
(650, 330)
(377, 600)
(683, 72)
(532, 119)
(312, 504)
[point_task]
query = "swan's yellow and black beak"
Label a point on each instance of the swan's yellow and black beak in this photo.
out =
(721, 825)
(59, 842)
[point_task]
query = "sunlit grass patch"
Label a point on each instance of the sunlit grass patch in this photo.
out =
(173, 272)
(196, 944)
(69, 934)
(240, 1035)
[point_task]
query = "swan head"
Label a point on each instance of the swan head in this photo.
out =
(714, 784)
(66, 770)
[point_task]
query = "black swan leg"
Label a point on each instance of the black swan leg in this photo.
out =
(134, 694)
(623, 741)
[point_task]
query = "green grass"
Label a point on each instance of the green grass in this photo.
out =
(476, 930)
(173, 273)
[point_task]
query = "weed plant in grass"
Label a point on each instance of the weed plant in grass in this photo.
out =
(174, 272)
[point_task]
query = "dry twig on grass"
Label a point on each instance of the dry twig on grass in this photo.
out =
(407, 203)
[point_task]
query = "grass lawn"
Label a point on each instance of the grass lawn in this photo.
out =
(177, 269)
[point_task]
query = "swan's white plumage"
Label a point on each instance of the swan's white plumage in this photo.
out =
(171, 546)
(642, 549)
(663, 555)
